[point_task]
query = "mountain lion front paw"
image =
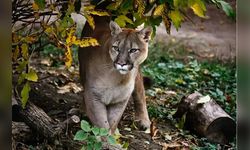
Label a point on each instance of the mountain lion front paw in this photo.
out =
(143, 124)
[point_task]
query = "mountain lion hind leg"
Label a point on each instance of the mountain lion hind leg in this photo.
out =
(138, 95)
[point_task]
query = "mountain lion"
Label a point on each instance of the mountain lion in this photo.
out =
(110, 73)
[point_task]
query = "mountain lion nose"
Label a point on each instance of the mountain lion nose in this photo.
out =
(121, 63)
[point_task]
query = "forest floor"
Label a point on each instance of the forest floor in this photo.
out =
(211, 38)
(58, 91)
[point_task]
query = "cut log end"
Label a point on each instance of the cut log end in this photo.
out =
(222, 129)
(206, 118)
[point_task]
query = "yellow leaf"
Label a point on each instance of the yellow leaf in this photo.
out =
(25, 52)
(151, 1)
(31, 76)
(68, 40)
(30, 39)
(25, 94)
(176, 18)
(90, 21)
(115, 5)
(89, 7)
(99, 13)
(72, 31)
(122, 19)
(159, 10)
(198, 7)
(35, 6)
(141, 7)
(86, 42)
(71, 38)
(48, 30)
(15, 37)
(180, 81)
(68, 57)
(16, 53)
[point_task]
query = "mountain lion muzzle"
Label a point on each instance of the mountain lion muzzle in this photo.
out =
(110, 73)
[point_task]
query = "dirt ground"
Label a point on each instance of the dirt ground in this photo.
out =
(214, 37)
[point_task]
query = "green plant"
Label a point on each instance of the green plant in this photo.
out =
(186, 76)
(92, 136)
(57, 26)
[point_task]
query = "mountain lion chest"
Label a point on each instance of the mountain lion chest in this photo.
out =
(111, 90)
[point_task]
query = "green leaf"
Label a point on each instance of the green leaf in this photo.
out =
(31, 76)
(85, 126)
(21, 65)
(111, 140)
(41, 4)
(227, 8)
(90, 146)
(98, 146)
(162, 1)
(96, 130)
(219, 92)
(176, 18)
(92, 139)
(125, 145)
(103, 132)
(80, 135)
(25, 94)
(126, 5)
(180, 3)
(182, 121)
(21, 78)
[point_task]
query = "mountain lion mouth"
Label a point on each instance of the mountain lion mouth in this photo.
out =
(123, 71)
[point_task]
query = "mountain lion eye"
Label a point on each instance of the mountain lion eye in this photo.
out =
(116, 48)
(133, 50)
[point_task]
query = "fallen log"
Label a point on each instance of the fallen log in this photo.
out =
(206, 118)
(38, 121)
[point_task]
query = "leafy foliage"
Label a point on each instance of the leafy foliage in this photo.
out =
(175, 78)
(227, 8)
(37, 21)
(209, 78)
(92, 136)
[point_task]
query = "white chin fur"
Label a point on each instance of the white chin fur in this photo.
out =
(123, 72)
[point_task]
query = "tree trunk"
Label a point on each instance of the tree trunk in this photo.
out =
(206, 118)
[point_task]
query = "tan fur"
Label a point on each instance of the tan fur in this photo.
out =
(107, 84)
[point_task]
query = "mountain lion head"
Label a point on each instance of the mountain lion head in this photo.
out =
(129, 48)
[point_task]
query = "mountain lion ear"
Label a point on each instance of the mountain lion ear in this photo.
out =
(146, 33)
(114, 28)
